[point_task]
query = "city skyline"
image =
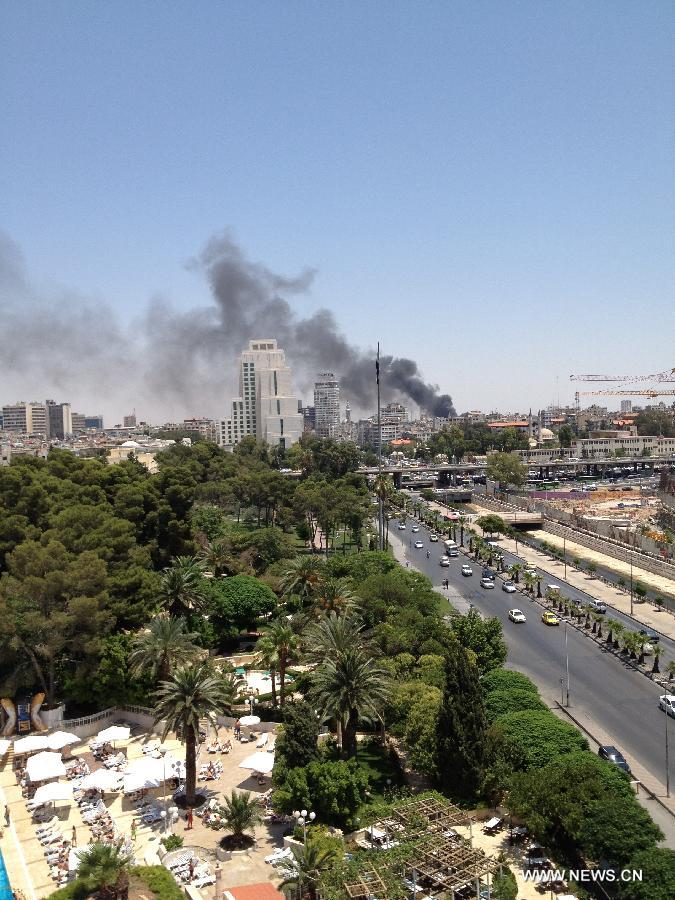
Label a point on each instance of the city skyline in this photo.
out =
(457, 178)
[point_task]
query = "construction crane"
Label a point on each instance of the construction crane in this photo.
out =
(660, 377)
(647, 392)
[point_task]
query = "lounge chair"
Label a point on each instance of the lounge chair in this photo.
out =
(206, 879)
(262, 740)
(278, 855)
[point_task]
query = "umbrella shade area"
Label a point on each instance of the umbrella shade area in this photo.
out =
(31, 743)
(156, 769)
(249, 720)
(4, 746)
(102, 780)
(74, 857)
(44, 766)
(61, 739)
(55, 790)
(259, 762)
(139, 783)
(114, 733)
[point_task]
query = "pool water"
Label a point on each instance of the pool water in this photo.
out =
(5, 889)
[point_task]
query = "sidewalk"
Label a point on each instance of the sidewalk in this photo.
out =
(644, 613)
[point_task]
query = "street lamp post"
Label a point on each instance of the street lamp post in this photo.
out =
(565, 556)
(667, 761)
(302, 818)
(630, 557)
(567, 667)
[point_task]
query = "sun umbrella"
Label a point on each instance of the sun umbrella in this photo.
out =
(114, 733)
(249, 720)
(101, 780)
(45, 765)
(55, 790)
(31, 743)
(139, 782)
(74, 857)
(152, 768)
(258, 762)
(175, 768)
(61, 739)
(4, 746)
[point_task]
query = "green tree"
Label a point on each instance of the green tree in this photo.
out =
(182, 589)
(655, 422)
(334, 596)
(351, 686)
(536, 736)
(500, 703)
(286, 643)
(657, 865)
(461, 727)
(306, 867)
(506, 468)
(302, 577)
(241, 813)
(193, 692)
(483, 637)
(164, 644)
(297, 743)
(507, 680)
(492, 524)
(334, 789)
(105, 868)
(565, 435)
(238, 602)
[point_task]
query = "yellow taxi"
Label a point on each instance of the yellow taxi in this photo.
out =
(549, 618)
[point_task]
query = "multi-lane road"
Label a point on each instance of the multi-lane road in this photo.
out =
(605, 694)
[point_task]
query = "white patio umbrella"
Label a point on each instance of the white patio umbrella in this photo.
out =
(258, 762)
(101, 780)
(139, 782)
(146, 765)
(4, 746)
(74, 857)
(175, 768)
(30, 743)
(61, 739)
(249, 720)
(55, 790)
(114, 733)
(44, 766)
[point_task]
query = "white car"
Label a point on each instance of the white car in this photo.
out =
(415, 529)
(401, 526)
(444, 561)
(418, 545)
(516, 615)
(467, 570)
(433, 538)
(667, 703)
(509, 587)
(487, 583)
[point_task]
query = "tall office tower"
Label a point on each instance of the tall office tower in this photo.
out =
(326, 403)
(26, 418)
(92, 422)
(60, 418)
(626, 406)
(265, 407)
(130, 421)
(79, 422)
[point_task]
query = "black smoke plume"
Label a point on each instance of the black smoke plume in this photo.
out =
(184, 362)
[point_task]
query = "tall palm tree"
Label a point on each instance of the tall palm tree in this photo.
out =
(461, 522)
(515, 571)
(302, 577)
(286, 644)
(232, 686)
(305, 868)
(241, 813)
(354, 686)
(334, 596)
(334, 634)
(658, 650)
(106, 868)
(164, 644)
(530, 580)
(267, 657)
(193, 692)
(182, 588)
(216, 557)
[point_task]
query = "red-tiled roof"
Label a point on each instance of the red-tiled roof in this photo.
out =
(262, 891)
(508, 424)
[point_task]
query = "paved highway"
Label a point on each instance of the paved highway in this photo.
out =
(603, 691)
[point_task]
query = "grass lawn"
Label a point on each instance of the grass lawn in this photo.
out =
(376, 763)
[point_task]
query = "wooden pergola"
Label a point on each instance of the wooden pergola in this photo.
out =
(428, 814)
(449, 864)
(366, 885)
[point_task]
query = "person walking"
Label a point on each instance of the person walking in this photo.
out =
(7, 816)
(189, 819)
(133, 829)
(73, 837)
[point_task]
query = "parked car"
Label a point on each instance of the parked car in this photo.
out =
(467, 570)
(444, 561)
(597, 606)
(611, 754)
(418, 545)
(509, 587)
(549, 618)
(667, 703)
(488, 573)
(516, 615)
(487, 583)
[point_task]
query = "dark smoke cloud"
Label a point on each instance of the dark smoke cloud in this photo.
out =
(185, 361)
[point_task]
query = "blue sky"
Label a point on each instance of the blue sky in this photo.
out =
(486, 187)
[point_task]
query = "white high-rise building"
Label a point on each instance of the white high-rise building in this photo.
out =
(265, 407)
(326, 403)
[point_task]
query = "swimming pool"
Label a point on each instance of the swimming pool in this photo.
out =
(5, 889)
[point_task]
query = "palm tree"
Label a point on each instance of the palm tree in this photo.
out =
(106, 868)
(334, 596)
(461, 522)
(267, 657)
(515, 571)
(334, 634)
(193, 692)
(306, 867)
(351, 685)
(598, 619)
(302, 577)
(182, 589)
(216, 557)
(658, 650)
(530, 581)
(286, 644)
(671, 670)
(164, 644)
(232, 685)
(241, 813)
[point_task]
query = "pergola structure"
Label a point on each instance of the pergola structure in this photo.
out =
(428, 814)
(366, 885)
(450, 865)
